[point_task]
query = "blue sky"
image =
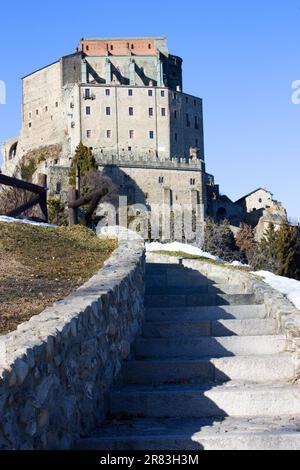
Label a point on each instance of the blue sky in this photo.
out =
(240, 56)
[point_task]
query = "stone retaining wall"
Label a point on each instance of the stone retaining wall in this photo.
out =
(56, 369)
(277, 305)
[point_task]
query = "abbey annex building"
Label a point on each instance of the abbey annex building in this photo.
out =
(124, 99)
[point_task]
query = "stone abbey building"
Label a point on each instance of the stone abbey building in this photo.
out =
(124, 99)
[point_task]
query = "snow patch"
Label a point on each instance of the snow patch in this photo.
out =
(4, 218)
(182, 247)
(288, 287)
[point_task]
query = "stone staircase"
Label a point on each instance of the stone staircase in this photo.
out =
(209, 372)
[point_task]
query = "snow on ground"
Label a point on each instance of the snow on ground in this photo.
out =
(182, 247)
(4, 218)
(288, 287)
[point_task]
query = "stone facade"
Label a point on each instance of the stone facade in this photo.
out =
(123, 98)
(56, 369)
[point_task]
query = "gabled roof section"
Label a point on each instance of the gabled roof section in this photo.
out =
(253, 192)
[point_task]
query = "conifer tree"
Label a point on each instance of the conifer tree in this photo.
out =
(86, 161)
(287, 250)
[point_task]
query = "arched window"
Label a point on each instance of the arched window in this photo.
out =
(221, 214)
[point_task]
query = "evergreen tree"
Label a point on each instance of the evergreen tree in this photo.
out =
(86, 161)
(287, 250)
(268, 250)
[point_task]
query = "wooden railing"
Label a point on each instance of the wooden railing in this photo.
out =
(40, 199)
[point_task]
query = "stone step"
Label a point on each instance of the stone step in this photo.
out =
(188, 289)
(171, 329)
(196, 401)
(209, 347)
(191, 300)
(262, 433)
(225, 312)
(259, 369)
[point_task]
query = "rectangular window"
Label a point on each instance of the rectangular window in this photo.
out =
(29, 125)
(107, 92)
(150, 92)
(46, 109)
(56, 104)
(88, 110)
(163, 112)
(130, 92)
(188, 120)
(193, 181)
(186, 99)
(162, 94)
(175, 96)
(108, 134)
(107, 111)
(129, 149)
(195, 102)
(37, 112)
(87, 93)
(175, 114)
(88, 134)
(29, 115)
(131, 134)
(196, 122)
(176, 137)
(150, 112)
(161, 179)
(151, 134)
(130, 111)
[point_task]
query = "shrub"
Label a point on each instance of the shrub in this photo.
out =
(219, 241)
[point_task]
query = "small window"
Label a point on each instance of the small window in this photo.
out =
(56, 104)
(87, 93)
(131, 134)
(58, 188)
(186, 99)
(163, 112)
(150, 112)
(129, 149)
(111, 47)
(130, 111)
(132, 46)
(107, 111)
(29, 124)
(197, 143)
(161, 179)
(151, 134)
(162, 93)
(176, 137)
(149, 46)
(108, 134)
(260, 200)
(88, 110)
(107, 92)
(87, 48)
(88, 134)
(188, 123)
(192, 181)
(37, 112)
(29, 115)
(150, 92)
(195, 102)
(130, 92)
(46, 109)
(175, 114)
(175, 96)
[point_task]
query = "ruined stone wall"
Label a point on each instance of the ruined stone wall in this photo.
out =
(57, 368)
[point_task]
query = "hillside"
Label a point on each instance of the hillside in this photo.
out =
(41, 265)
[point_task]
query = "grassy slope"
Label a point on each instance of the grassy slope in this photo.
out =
(41, 265)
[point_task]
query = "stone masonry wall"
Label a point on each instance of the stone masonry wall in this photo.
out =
(56, 369)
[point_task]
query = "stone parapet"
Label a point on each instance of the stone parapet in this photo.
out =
(57, 368)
